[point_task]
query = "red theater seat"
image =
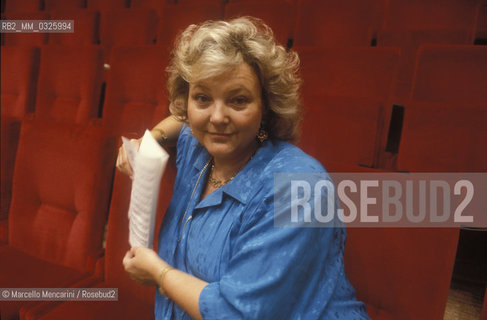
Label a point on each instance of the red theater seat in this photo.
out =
(27, 271)
(176, 18)
(86, 26)
(24, 38)
(18, 81)
(134, 300)
(278, 15)
(445, 118)
(346, 92)
(362, 72)
(410, 24)
(127, 27)
(438, 137)
(335, 23)
(59, 205)
(69, 83)
(342, 129)
(401, 273)
(431, 15)
(451, 74)
(18, 85)
(136, 94)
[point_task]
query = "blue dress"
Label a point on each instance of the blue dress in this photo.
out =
(228, 239)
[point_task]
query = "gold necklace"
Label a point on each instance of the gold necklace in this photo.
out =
(219, 183)
(215, 183)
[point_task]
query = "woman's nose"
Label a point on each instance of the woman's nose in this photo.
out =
(218, 113)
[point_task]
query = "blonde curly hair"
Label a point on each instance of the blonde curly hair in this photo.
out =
(213, 47)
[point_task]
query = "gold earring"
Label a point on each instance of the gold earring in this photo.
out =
(262, 135)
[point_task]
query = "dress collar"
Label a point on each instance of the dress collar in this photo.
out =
(245, 183)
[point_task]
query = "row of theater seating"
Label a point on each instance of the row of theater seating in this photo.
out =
(62, 194)
(348, 97)
(352, 85)
(310, 22)
(64, 184)
(303, 22)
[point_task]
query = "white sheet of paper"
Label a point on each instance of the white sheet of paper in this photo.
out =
(148, 164)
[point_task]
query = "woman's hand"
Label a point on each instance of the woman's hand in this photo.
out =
(143, 265)
(166, 131)
(123, 163)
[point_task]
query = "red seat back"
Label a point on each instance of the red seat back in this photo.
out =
(441, 137)
(86, 26)
(61, 191)
(362, 72)
(278, 15)
(451, 74)
(20, 67)
(33, 39)
(346, 92)
(69, 85)
(176, 18)
(136, 92)
(410, 24)
(444, 121)
(335, 23)
(127, 27)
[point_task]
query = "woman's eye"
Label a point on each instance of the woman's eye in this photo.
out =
(240, 100)
(201, 98)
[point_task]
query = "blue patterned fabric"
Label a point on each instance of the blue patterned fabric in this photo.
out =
(255, 270)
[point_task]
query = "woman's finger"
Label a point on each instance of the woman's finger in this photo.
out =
(123, 164)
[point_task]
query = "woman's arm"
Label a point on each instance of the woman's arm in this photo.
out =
(145, 267)
(165, 132)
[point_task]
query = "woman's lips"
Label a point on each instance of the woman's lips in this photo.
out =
(219, 135)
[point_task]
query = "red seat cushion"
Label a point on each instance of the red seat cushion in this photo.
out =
(21, 270)
(401, 273)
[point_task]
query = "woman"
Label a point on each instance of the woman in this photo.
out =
(234, 103)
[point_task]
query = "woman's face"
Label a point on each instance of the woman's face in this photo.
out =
(225, 112)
